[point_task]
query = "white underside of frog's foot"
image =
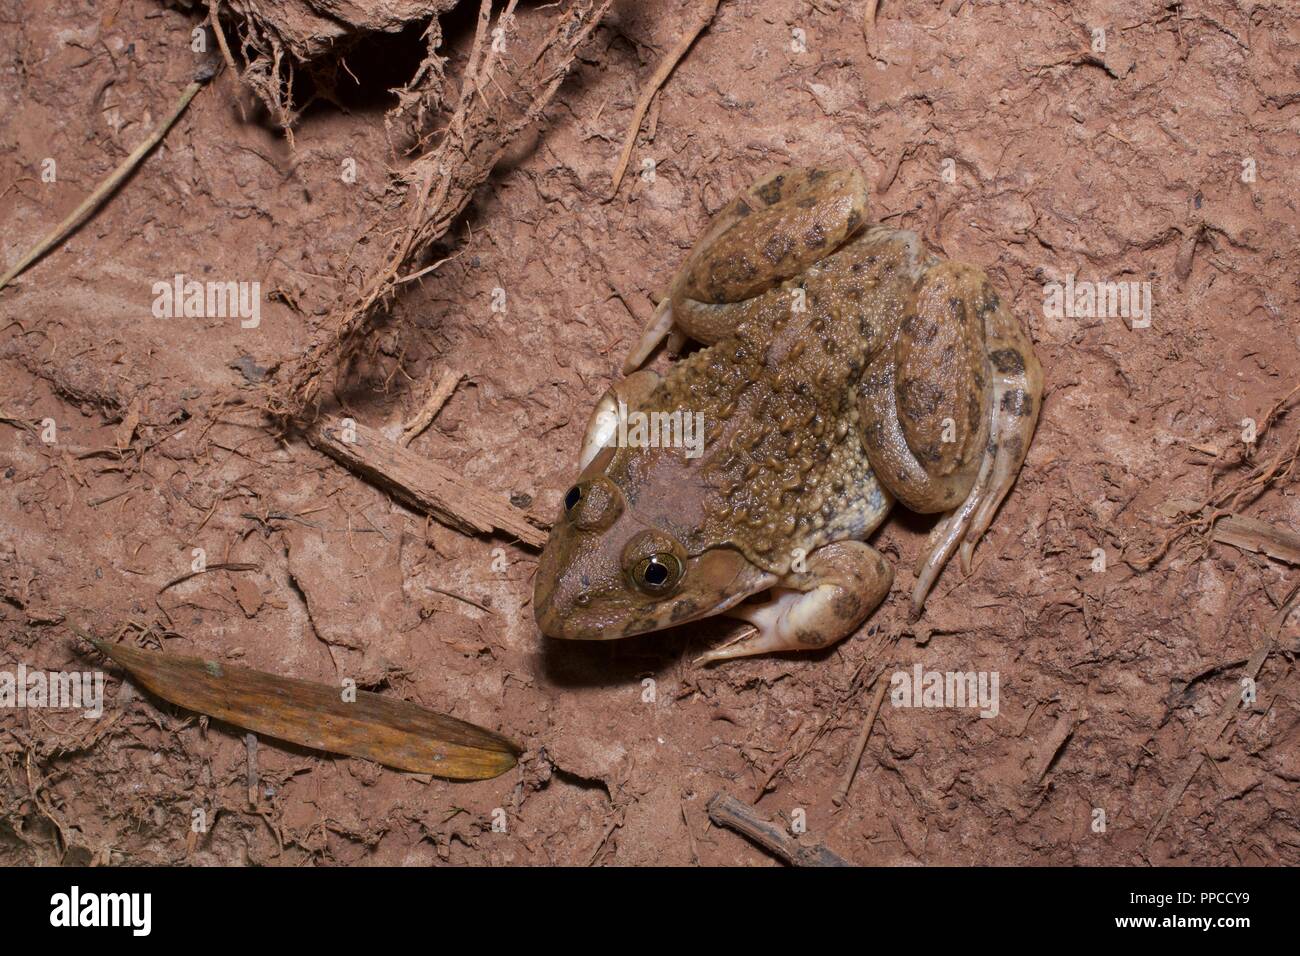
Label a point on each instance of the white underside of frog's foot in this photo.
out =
(656, 330)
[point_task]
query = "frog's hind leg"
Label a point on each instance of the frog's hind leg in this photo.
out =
(844, 582)
(1016, 390)
(769, 233)
(925, 403)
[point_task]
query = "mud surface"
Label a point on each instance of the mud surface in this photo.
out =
(994, 131)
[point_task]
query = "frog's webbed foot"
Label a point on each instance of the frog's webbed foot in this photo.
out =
(843, 584)
(769, 233)
(602, 426)
(1016, 388)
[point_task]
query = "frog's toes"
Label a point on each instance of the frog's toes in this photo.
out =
(602, 426)
(656, 329)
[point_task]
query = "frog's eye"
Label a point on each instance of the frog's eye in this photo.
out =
(658, 573)
(572, 497)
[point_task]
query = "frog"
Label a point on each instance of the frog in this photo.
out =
(841, 369)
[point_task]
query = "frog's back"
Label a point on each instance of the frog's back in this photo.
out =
(784, 467)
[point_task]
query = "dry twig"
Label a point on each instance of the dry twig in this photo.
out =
(727, 811)
(661, 74)
(429, 411)
(109, 185)
(863, 736)
(1197, 744)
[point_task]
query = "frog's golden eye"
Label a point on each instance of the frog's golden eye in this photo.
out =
(572, 497)
(657, 574)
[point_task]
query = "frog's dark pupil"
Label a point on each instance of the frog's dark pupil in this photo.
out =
(572, 498)
(655, 573)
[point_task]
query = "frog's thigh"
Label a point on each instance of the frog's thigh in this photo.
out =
(772, 232)
(843, 583)
(602, 426)
(926, 405)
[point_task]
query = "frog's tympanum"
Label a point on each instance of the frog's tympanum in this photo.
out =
(844, 369)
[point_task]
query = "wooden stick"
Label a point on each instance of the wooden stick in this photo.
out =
(727, 811)
(1255, 536)
(425, 485)
(1065, 725)
(437, 398)
(843, 791)
(106, 188)
(250, 745)
(661, 74)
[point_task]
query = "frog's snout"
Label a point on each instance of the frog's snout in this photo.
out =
(562, 598)
(551, 620)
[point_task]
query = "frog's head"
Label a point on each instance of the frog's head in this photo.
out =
(611, 571)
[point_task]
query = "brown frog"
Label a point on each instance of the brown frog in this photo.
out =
(844, 368)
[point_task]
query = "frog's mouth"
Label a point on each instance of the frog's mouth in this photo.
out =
(714, 582)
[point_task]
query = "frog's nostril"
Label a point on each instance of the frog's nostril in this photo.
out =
(583, 599)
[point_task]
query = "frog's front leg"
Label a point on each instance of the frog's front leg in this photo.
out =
(951, 413)
(842, 584)
(771, 232)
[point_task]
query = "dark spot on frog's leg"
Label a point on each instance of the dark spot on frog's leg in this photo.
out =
(1018, 402)
(918, 399)
(810, 638)
(958, 309)
(770, 192)
(989, 299)
(816, 175)
(919, 330)
(847, 606)
(815, 237)
(742, 208)
(777, 248)
(1008, 361)
(808, 202)
(1014, 446)
(854, 220)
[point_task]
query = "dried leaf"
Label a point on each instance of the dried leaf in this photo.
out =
(393, 732)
